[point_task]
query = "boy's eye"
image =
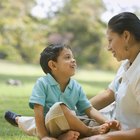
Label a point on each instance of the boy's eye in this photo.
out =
(67, 56)
(109, 40)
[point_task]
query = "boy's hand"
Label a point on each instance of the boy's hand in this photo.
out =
(114, 124)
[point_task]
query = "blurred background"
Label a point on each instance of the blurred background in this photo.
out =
(27, 26)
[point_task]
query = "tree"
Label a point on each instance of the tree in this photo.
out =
(79, 23)
(21, 35)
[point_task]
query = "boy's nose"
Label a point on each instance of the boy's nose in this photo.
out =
(109, 47)
(73, 60)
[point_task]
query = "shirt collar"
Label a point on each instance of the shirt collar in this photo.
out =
(126, 65)
(52, 81)
(134, 65)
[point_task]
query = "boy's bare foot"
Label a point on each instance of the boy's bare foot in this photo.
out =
(102, 129)
(70, 135)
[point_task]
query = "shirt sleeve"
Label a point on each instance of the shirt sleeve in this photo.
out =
(137, 89)
(38, 94)
(83, 102)
(114, 85)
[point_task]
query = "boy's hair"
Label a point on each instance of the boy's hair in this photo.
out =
(51, 52)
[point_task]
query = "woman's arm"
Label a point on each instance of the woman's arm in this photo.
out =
(133, 134)
(103, 99)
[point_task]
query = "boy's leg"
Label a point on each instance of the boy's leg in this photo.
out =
(55, 121)
(60, 119)
(27, 124)
(76, 124)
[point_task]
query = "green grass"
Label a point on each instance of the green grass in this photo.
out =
(15, 98)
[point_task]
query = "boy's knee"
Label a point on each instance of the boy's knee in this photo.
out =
(60, 106)
(67, 112)
(55, 119)
(63, 106)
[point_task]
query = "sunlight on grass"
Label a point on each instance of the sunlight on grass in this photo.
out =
(19, 69)
(94, 75)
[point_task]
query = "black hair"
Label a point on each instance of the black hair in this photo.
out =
(125, 21)
(51, 52)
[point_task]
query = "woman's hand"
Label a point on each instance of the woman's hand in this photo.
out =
(48, 138)
(98, 137)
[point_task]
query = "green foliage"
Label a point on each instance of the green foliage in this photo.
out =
(82, 28)
(107, 61)
(10, 53)
(22, 36)
(20, 32)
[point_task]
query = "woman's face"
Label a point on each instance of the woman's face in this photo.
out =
(117, 45)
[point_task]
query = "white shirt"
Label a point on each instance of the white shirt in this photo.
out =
(126, 87)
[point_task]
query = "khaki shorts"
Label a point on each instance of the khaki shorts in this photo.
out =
(55, 122)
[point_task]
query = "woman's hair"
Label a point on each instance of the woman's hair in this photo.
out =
(125, 21)
(51, 52)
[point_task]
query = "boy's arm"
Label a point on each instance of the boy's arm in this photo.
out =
(96, 115)
(40, 122)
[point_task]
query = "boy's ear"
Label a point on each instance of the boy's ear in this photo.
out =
(51, 64)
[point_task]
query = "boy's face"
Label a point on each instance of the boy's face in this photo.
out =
(66, 64)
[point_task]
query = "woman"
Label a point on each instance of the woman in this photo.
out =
(123, 35)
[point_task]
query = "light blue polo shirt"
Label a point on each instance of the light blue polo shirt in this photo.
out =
(46, 92)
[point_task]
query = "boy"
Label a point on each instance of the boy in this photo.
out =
(58, 101)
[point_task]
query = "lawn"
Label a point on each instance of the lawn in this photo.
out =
(15, 98)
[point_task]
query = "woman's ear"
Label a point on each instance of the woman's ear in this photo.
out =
(52, 65)
(129, 38)
(126, 35)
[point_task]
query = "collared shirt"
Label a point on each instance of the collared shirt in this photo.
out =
(47, 91)
(126, 87)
